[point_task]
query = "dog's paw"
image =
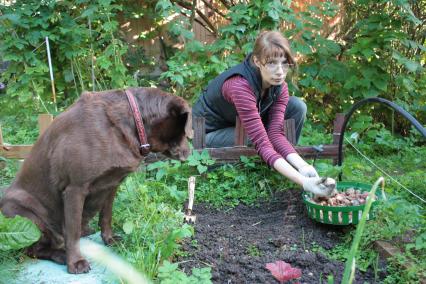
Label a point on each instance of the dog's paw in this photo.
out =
(78, 267)
(59, 256)
(110, 240)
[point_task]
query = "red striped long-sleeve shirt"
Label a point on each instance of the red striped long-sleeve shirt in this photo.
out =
(269, 142)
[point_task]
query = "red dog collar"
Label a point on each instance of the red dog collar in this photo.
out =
(144, 147)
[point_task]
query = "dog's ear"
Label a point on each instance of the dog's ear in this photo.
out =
(183, 113)
(189, 132)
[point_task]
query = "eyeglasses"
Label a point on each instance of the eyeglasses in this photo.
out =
(274, 65)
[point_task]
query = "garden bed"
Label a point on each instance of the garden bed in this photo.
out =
(238, 243)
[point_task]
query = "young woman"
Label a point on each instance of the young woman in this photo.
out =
(256, 91)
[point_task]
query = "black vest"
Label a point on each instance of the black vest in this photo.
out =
(218, 112)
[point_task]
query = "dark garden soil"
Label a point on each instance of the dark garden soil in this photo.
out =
(238, 243)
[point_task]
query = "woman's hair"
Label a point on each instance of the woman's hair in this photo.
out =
(272, 44)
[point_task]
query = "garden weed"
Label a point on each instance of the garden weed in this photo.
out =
(245, 182)
(168, 273)
(9, 261)
(22, 130)
(8, 173)
(151, 228)
(253, 250)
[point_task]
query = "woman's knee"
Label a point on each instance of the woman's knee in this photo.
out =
(299, 106)
(221, 138)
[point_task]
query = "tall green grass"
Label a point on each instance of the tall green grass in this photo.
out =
(349, 272)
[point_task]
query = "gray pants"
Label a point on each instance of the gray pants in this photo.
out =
(296, 109)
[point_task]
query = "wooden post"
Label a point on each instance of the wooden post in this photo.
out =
(240, 133)
(290, 130)
(199, 140)
(44, 120)
(337, 130)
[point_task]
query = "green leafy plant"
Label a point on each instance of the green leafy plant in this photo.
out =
(7, 174)
(9, 261)
(366, 54)
(232, 186)
(86, 53)
(201, 161)
(253, 250)
(150, 221)
(17, 232)
(168, 273)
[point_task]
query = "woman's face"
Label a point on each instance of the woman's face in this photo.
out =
(273, 71)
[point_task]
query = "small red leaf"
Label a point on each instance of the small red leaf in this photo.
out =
(283, 271)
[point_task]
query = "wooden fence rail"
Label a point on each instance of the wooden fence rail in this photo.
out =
(224, 154)
(22, 151)
(242, 148)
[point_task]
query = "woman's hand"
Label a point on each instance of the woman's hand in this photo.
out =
(302, 167)
(319, 186)
(308, 171)
(316, 185)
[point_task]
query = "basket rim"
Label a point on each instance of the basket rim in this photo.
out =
(364, 187)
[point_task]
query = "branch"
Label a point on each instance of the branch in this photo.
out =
(207, 21)
(215, 9)
(227, 6)
(214, 32)
(194, 4)
(200, 22)
(183, 4)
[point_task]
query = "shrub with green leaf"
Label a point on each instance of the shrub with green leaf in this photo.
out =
(78, 32)
(168, 273)
(17, 232)
(376, 50)
(148, 216)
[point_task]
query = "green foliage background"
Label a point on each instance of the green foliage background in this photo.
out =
(377, 49)
(77, 31)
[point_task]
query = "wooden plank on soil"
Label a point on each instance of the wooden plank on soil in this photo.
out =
(387, 250)
(15, 151)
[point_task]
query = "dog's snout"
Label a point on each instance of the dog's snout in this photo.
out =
(184, 154)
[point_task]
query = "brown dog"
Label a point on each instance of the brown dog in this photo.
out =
(75, 167)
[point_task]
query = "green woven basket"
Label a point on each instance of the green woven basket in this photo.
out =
(339, 215)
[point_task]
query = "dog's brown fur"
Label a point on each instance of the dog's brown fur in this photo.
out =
(75, 167)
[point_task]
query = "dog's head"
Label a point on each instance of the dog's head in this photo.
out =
(170, 133)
